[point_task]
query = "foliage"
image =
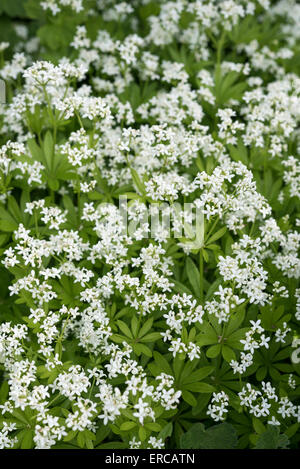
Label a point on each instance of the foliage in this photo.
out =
(177, 325)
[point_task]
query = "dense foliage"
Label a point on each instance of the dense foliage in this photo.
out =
(115, 331)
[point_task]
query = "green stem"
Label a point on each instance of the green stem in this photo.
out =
(36, 224)
(212, 228)
(218, 64)
(201, 274)
(79, 119)
(52, 195)
(219, 48)
(251, 230)
(92, 387)
(53, 400)
(63, 329)
(78, 202)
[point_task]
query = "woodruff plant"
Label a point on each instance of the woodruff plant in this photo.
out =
(114, 334)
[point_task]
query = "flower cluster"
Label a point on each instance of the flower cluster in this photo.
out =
(149, 224)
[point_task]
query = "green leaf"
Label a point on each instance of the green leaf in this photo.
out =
(7, 222)
(142, 434)
(188, 397)
(153, 426)
(198, 242)
(292, 430)
(222, 436)
(146, 327)
(202, 402)
(81, 439)
(234, 340)
(236, 320)
(137, 181)
(218, 234)
(271, 439)
(4, 391)
(162, 363)
(35, 150)
(228, 354)
(124, 328)
(199, 387)
(180, 288)
(48, 147)
(261, 373)
(89, 443)
(27, 440)
(193, 276)
(239, 153)
(112, 445)
(213, 287)
(213, 351)
(166, 431)
(14, 8)
(207, 335)
(152, 337)
(258, 425)
(126, 426)
(53, 184)
(14, 209)
(18, 414)
(199, 374)
(118, 338)
(70, 436)
(205, 255)
(102, 433)
(134, 326)
(55, 36)
(140, 348)
(190, 439)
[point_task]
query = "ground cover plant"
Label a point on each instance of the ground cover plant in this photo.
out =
(149, 224)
